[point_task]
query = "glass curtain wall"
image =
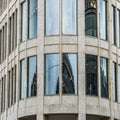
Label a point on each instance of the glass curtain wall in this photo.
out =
(91, 75)
(104, 76)
(32, 77)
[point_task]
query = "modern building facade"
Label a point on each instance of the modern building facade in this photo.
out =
(59, 60)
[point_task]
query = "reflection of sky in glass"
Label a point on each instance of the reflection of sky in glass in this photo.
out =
(52, 17)
(52, 73)
(22, 79)
(103, 19)
(24, 21)
(69, 16)
(73, 63)
(33, 18)
(32, 72)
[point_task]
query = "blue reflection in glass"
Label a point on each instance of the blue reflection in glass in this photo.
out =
(33, 19)
(103, 19)
(52, 17)
(52, 74)
(69, 17)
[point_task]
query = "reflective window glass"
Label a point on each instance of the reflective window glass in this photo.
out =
(119, 83)
(69, 74)
(90, 18)
(69, 16)
(52, 17)
(32, 76)
(113, 26)
(52, 74)
(24, 21)
(114, 82)
(103, 19)
(91, 75)
(104, 76)
(22, 79)
(32, 19)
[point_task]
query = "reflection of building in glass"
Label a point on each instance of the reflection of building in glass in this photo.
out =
(67, 76)
(91, 18)
(34, 86)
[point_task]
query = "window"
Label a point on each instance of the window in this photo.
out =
(52, 17)
(91, 75)
(12, 88)
(103, 19)
(32, 77)
(114, 82)
(32, 19)
(69, 74)
(104, 76)
(113, 26)
(69, 17)
(52, 74)
(118, 27)
(119, 83)
(22, 79)
(0, 46)
(15, 83)
(9, 79)
(24, 21)
(90, 18)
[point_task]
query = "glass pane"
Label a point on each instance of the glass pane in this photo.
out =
(119, 83)
(90, 18)
(24, 21)
(91, 75)
(103, 25)
(104, 77)
(32, 77)
(22, 79)
(114, 82)
(52, 74)
(118, 27)
(32, 19)
(69, 17)
(69, 74)
(52, 17)
(113, 26)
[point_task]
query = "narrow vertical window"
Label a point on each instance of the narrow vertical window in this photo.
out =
(12, 32)
(118, 27)
(52, 74)
(32, 77)
(9, 36)
(5, 39)
(24, 21)
(103, 19)
(104, 77)
(15, 83)
(4, 91)
(114, 82)
(113, 26)
(2, 100)
(91, 75)
(0, 46)
(22, 79)
(12, 87)
(90, 18)
(52, 17)
(9, 79)
(15, 29)
(69, 16)
(33, 19)
(119, 83)
(69, 74)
